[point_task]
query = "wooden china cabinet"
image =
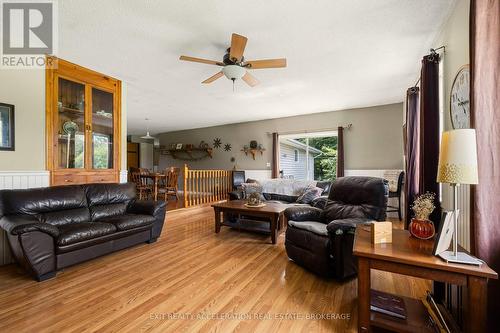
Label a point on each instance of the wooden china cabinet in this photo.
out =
(82, 124)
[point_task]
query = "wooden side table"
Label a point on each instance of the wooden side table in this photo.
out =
(410, 256)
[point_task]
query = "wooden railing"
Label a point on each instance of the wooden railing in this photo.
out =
(205, 186)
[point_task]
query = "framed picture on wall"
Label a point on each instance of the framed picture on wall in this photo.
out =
(7, 127)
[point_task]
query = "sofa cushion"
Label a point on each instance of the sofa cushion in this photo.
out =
(130, 221)
(280, 197)
(78, 232)
(317, 228)
(107, 200)
(319, 202)
(41, 201)
(100, 212)
(62, 217)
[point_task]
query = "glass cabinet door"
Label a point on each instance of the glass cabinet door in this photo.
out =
(71, 125)
(102, 129)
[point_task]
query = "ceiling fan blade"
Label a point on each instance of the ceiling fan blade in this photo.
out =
(204, 61)
(238, 44)
(250, 79)
(213, 77)
(267, 63)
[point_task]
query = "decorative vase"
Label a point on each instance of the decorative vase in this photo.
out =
(422, 228)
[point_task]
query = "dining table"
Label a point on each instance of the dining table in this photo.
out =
(155, 177)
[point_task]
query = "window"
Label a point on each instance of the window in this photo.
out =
(309, 156)
(79, 151)
(101, 151)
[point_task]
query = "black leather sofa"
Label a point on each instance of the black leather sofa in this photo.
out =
(321, 240)
(55, 227)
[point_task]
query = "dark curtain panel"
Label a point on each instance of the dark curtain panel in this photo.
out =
(340, 152)
(429, 130)
(412, 149)
(485, 118)
(275, 173)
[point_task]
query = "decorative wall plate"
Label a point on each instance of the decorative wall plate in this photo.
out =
(70, 127)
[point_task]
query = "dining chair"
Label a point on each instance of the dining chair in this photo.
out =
(170, 186)
(141, 183)
(395, 178)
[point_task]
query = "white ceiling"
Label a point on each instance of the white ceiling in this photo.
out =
(341, 54)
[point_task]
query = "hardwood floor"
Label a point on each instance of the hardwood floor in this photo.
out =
(189, 271)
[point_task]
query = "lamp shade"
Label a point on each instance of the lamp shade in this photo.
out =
(458, 157)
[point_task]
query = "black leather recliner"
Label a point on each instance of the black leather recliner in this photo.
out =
(55, 227)
(321, 240)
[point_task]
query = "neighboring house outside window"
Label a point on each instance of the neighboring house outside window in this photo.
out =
(294, 158)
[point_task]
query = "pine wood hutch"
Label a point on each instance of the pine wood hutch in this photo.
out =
(83, 122)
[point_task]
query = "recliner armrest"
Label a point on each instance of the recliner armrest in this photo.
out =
(341, 234)
(19, 224)
(146, 207)
(345, 225)
(303, 213)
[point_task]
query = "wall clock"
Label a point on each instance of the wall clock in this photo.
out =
(460, 99)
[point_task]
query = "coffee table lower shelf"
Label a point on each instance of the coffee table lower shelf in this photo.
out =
(249, 225)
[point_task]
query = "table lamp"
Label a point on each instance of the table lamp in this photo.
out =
(458, 165)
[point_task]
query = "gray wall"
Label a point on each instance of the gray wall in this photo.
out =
(374, 141)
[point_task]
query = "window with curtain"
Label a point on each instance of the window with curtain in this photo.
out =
(309, 156)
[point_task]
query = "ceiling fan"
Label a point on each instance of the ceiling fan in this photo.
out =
(234, 66)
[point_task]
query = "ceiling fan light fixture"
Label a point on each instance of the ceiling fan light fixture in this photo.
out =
(233, 72)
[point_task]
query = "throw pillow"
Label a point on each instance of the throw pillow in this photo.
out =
(310, 194)
(249, 188)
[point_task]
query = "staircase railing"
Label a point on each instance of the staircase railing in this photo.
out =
(205, 186)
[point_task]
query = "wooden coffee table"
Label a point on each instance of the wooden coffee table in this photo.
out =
(272, 212)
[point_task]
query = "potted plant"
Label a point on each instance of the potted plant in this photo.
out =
(420, 226)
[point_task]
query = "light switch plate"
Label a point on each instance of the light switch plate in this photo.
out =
(268, 164)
